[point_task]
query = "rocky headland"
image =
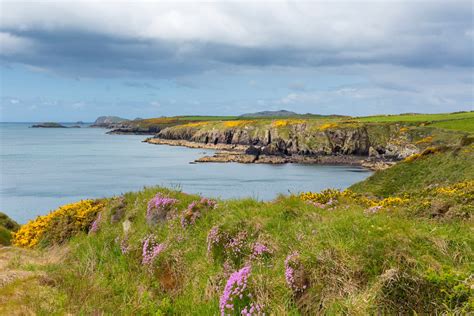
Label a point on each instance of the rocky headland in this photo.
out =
(109, 122)
(374, 146)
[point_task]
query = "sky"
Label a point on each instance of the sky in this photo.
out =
(76, 60)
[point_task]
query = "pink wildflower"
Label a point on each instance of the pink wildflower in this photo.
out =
(159, 204)
(194, 209)
(234, 290)
(293, 267)
(236, 244)
(213, 238)
(151, 249)
(259, 250)
(95, 224)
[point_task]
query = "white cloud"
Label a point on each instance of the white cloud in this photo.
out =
(11, 44)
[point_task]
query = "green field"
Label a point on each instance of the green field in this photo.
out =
(416, 117)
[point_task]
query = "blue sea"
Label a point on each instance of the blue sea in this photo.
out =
(42, 169)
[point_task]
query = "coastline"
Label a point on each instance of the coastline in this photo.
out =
(245, 154)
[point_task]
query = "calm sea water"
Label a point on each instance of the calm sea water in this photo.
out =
(44, 168)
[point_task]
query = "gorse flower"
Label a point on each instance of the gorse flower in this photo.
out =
(151, 249)
(79, 215)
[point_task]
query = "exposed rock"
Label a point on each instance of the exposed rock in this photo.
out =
(229, 156)
(439, 208)
(373, 152)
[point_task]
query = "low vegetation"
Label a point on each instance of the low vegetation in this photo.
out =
(7, 227)
(399, 242)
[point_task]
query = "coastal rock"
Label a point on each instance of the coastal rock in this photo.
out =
(48, 125)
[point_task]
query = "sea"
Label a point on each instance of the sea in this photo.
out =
(43, 168)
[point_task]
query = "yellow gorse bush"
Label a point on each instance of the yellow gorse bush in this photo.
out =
(238, 123)
(286, 122)
(196, 124)
(81, 213)
(425, 140)
(459, 188)
(327, 126)
(331, 194)
(403, 129)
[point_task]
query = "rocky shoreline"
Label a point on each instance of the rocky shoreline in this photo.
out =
(250, 154)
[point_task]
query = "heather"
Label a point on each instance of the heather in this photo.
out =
(398, 243)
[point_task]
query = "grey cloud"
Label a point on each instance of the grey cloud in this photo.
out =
(421, 34)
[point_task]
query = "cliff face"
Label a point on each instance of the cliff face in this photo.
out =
(384, 140)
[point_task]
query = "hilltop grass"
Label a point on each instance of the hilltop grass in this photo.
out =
(351, 258)
(416, 117)
(466, 124)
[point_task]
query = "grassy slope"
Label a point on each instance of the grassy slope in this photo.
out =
(442, 168)
(7, 226)
(391, 261)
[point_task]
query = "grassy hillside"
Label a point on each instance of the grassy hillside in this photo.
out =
(442, 168)
(7, 227)
(397, 243)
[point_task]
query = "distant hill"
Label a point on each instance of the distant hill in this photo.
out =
(108, 121)
(270, 114)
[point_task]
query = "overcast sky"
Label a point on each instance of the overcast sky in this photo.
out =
(70, 61)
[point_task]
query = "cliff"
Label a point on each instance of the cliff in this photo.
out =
(315, 138)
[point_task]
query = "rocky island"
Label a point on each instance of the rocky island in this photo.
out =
(48, 125)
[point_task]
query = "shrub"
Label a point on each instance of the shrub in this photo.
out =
(59, 225)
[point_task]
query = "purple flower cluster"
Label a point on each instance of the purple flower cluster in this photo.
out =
(95, 224)
(323, 205)
(373, 209)
(213, 238)
(159, 204)
(253, 309)
(194, 210)
(292, 266)
(235, 291)
(237, 244)
(124, 246)
(259, 250)
(151, 249)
